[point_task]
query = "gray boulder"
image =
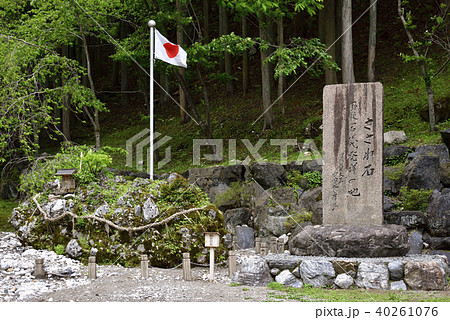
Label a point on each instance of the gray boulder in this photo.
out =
(312, 165)
(351, 241)
(392, 179)
(439, 151)
(102, 210)
(58, 208)
(235, 217)
(317, 273)
(395, 137)
(343, 281)
(73, 249)
(311, 200)
(254, 271)
(394, 151)
(415, 243)
(388, 204)
(286, 278)
(422, 173)
(283, 261)
(245, 237)
(271, 220)
(395, 270)
(372, 276)
(409, 219)
(438, 214)
(150, 210)
(438, 243)
(444, 174)
(445, 134)
(269, 175)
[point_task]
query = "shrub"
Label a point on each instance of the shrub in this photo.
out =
(298, 180)
(88, 162)
(413, 199)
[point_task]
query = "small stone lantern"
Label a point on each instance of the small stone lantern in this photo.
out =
(68, 181)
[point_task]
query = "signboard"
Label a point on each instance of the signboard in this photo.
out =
(211, 239)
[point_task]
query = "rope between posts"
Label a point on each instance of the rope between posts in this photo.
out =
(110, 223)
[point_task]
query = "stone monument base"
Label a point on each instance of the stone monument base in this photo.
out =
(351, 241)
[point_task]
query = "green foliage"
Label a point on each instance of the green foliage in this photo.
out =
(297, 218)
(297, 179)
(302, 53)
(180, 194)
(413, 199)
(59, 249)
(238, 195)
(88, 162)
(395, 172)
(395, 160)
(6, 207)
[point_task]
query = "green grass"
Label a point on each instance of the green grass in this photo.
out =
(355, 295)
(6, 207)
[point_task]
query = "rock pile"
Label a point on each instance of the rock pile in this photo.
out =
(17, 280)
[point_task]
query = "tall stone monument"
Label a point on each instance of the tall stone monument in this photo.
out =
(353, 154)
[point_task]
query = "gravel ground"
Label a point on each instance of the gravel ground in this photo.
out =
(68, 281)
(115, 283)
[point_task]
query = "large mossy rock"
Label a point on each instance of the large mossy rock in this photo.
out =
(350, 241)
(127, 205)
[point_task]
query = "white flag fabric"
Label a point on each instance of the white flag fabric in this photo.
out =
(169, 52)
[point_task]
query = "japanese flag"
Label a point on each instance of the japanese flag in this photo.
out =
(169, 52)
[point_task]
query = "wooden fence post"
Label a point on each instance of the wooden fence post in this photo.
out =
(187, 267)
(231, 263)
(144, 266)
(257, 245)
(92, 268)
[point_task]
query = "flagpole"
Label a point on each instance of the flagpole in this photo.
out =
(152, 25)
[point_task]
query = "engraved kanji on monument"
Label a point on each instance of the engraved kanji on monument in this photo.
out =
(353, 154)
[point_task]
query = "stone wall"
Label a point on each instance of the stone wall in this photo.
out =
(258, 196)
(418, 272)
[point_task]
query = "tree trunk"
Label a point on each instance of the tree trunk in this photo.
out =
(123, 70)
(265, 78)
(94, 119)
(245, 78)
(65, 121)
(372, 41)
(423, 69)
(180, 40)
(330, 37)
(227, 57)
(280, 33)
(348, 75)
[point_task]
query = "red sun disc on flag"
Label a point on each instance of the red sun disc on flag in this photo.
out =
(171, 49)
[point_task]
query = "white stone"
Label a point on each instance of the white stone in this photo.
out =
(317, 273)
(398, 285)
(150, 210)
(395, 137)
(343, 281)
(286, 278)
(372, 276)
